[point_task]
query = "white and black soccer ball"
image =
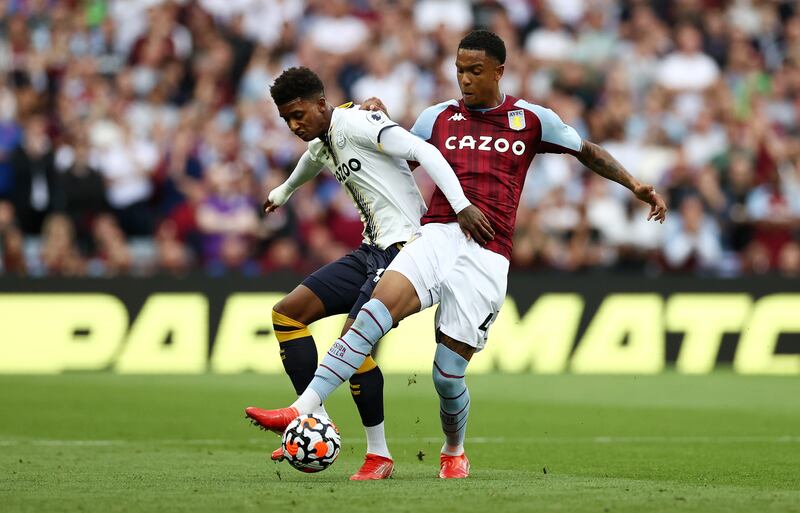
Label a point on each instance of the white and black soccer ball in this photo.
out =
(311, 443)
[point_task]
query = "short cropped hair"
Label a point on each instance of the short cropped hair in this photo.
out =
(296, 83)
(487, 41)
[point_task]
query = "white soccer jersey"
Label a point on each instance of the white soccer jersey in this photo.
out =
(381, 186)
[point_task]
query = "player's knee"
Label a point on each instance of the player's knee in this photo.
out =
(397, 293)
(285, 307)
(301, 305)
(447, 385)
(282, 315)
(286, 327)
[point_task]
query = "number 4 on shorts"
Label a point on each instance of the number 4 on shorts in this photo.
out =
(484, 327)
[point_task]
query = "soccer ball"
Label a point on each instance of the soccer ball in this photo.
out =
(311, 443)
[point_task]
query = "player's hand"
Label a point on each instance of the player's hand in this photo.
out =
(277, 197)
(374, 103)
(658, 208)
(475, 225)
(269, 206)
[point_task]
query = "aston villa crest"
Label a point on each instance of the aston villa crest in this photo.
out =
(516, 119)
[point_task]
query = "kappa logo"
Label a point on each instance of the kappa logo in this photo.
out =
(457, 117)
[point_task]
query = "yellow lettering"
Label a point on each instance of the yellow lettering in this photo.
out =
(603, 348)
(245, 340)
(704, 318)
(772, 315)
(48, 333)
(183, 318)
(540, 341)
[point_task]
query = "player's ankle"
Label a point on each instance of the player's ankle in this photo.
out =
(376, 441)
(453, 450)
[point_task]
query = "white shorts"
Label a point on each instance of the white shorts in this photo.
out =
(467, 280)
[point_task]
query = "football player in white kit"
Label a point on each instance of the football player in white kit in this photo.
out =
(366, 152)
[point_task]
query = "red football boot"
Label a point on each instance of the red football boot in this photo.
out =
(374, 467)
(273, 420)
(277, 454)
(453, 467)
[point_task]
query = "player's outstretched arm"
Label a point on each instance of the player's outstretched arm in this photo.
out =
(597, 159)
(306, 169)
(399, 142)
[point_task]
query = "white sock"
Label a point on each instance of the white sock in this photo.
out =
(453, 450)
(376, 441)
(308, 402)
(320, 410)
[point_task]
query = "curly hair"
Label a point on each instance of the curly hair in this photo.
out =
(296, 83)
(487, 41)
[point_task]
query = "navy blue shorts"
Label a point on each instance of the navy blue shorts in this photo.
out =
(346, 284)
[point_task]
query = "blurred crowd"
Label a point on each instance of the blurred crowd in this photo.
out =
(137, 136)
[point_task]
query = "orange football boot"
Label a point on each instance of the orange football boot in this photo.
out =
(273, 420)
(453, 467)
(374, 467)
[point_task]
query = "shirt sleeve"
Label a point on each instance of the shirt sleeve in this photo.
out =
(364, 127)
(423, 127)
(306, 169)
(557, 136)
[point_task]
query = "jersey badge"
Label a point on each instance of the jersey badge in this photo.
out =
(376, 117)
(516, 120)
(340, 141)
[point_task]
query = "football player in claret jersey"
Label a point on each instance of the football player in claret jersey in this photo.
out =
(367, 153)
(489, 138)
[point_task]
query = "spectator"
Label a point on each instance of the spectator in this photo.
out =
(127, 164)
(337, 32)
(226, 219)
(691, 238)
(169, 91)
(789, 260)
(769, 210)
(113, 256)
(172, 255)
(59, 252)
(688, 68)
(551, 43)
(12, 252)
(84, 192)
(35, 189)
(394, 87)
(10, 135)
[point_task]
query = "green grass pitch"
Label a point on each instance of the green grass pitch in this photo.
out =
(107, 443)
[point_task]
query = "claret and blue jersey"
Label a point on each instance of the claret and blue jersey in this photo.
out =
(490, 151)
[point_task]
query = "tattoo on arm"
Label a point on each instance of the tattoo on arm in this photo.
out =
(601, 162)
